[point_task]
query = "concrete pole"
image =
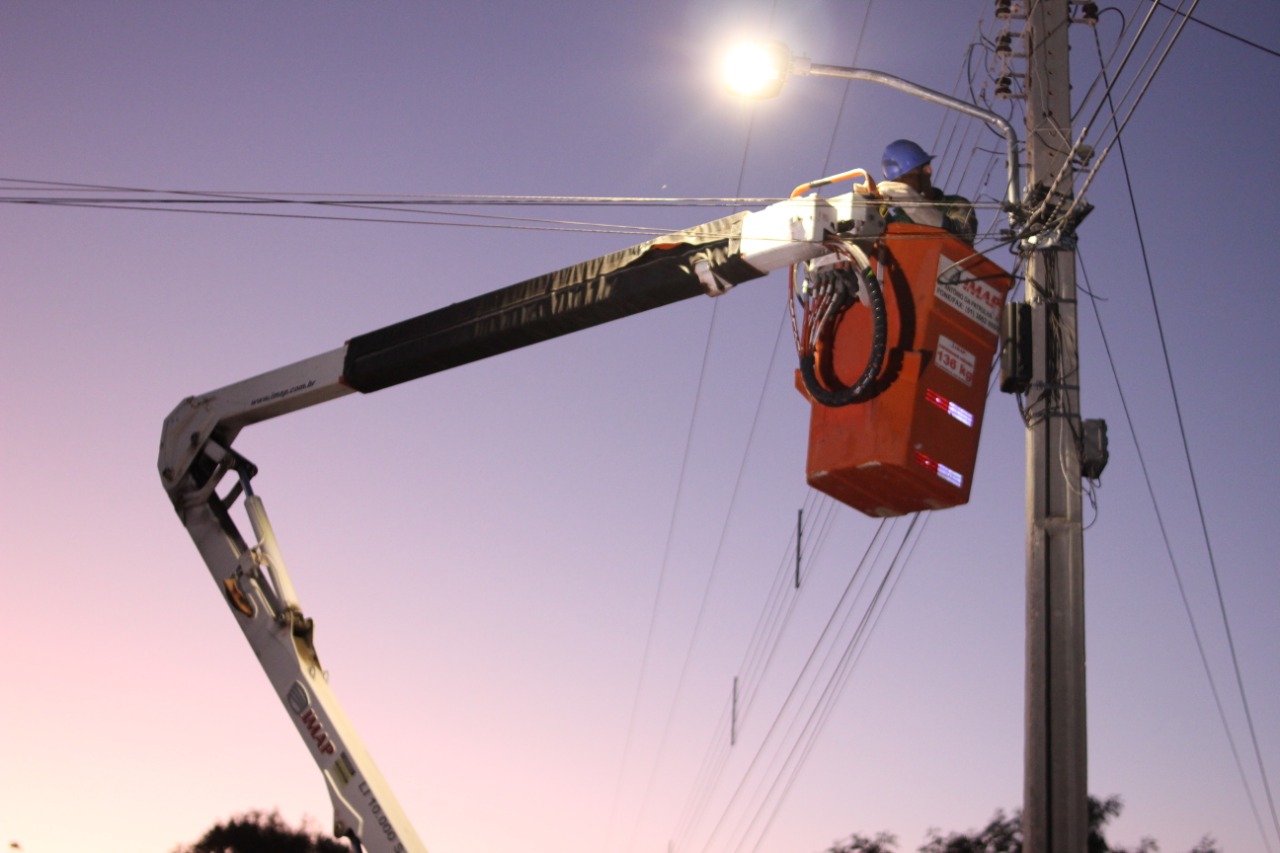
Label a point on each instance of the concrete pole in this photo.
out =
(1055, 803)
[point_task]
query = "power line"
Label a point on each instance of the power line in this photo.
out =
(1199, 506)
(820, 713)
(759, 656)
(774, 617)
(1218, 30)
(849, 660)
(640, 682)
(844, 98)
(111, 197)
(662, 571)
(800, 748)
(1173, 561)
(711, 575)
(540, 225)
(1105, 100)
(1133, 108)
(48, 185)
(843, 606)
(356, 200)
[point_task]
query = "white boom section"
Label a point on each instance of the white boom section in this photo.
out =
(196, 458)
(256, 583)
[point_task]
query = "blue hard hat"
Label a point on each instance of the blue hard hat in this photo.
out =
(901, 156)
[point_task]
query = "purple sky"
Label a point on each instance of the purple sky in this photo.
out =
(481, 550)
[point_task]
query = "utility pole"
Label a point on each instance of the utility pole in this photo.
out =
(1055, 787)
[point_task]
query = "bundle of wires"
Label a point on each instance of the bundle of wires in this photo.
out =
(824, 294)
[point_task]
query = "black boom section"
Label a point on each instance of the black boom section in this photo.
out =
(605, 288)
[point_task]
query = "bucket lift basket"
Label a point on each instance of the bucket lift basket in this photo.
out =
(912, 443)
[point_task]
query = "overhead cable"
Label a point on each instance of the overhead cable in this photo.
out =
(1200, 509)
(1219, 30)
(1173, 562)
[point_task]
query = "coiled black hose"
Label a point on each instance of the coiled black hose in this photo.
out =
(864, 388)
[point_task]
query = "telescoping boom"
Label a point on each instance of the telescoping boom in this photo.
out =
(205, 477)
(914, 358)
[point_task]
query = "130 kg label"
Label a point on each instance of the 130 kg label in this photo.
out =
(955, 359)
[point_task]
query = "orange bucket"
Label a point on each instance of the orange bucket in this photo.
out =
(913, 445)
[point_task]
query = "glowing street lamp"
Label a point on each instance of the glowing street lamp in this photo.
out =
(758, 70)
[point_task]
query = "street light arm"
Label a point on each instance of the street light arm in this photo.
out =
(802, 67)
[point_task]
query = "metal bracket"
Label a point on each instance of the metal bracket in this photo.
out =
(712, 282)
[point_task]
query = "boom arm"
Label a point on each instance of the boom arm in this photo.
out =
(205, 477)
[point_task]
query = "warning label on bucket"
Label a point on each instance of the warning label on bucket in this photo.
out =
(975, 299)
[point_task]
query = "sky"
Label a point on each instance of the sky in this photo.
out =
(535, 578)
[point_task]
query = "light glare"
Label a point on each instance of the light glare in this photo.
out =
(755, 70)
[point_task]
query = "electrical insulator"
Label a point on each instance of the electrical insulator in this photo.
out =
(1089, 13)
(1004, 87)
(1004, 44)
(1004, 8)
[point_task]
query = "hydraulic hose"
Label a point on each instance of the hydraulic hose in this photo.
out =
(864, 388)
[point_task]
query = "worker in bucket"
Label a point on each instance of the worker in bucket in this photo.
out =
(908, 187)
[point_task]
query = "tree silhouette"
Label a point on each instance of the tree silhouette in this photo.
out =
(882, 843)
(1003, 834)
(261, 832)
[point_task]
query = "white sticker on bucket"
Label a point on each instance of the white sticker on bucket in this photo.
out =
(975, 299)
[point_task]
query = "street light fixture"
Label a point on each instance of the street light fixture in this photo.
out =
(758, 70)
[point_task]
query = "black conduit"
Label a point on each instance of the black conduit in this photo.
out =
(865, 386)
